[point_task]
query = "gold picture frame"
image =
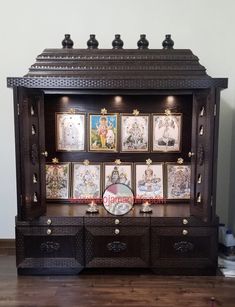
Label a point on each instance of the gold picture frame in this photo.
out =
(167, 132)
(134, 132)
(103, 132)
(70, 131)
(58, 181)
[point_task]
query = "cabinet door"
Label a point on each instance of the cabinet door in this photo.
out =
(202, 155)
(30, 152)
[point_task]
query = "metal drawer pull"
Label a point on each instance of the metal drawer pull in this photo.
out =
(117, 222)
(185, 232)
(49, 231)
(45, 153)
(49, 222)
(191, 154)
(185, 221)
(117, 231)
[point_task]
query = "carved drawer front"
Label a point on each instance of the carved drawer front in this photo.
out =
(49, 247)
(186, 247)
(117, 246)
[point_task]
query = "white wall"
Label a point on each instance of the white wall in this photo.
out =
(27, 27)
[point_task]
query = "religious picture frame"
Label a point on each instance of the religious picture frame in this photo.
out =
(70, 131)
(135, 136)
(149, 181)
(117, 173)
(58, 180)
(103, 132)
(178, 181)
(167, 132)
(86, 182)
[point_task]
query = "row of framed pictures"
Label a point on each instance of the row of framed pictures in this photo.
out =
(137, 132)
(85, 181)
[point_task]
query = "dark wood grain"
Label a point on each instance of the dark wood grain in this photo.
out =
(91, 289)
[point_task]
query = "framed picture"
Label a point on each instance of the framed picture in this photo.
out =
(134, 133)
(58, 180)
(178, 178)
(118, 173)
(86, 181)
(149, 181)
(103, 130)
(167, 130)
(70, 131)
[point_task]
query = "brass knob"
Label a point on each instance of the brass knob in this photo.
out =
(49, 231)
(45, 153)
(191, 154)
(116, 231)
(117, 222)
(49, 222)
(185, 232)
(185, 221)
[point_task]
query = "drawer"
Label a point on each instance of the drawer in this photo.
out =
(53, 221)
(49, 248)
(117, 246)
(116, 221)
(176, 221)
(186, 247)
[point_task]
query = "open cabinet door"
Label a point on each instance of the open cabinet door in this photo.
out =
(30, 152)
(202, 154)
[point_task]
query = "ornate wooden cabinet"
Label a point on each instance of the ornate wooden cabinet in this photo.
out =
(61, 238)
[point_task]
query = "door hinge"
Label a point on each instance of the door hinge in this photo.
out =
(21, 198)
(215, 110)
(18, 109)
(211, 201)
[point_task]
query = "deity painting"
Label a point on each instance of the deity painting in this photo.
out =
(134, 133)
(103, 132)
(149, 181)
(167, 132)
(70, 132)
(86, 181)
(114, 173)
(178, 181)
(57, 180)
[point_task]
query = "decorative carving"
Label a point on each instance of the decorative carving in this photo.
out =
(143, 42)
(49, 247)
(67, 42)
(183, 246)
(92, 43)
(168, 43)
(116, 246)
(117, 42)
(200, 154)
(34, 154)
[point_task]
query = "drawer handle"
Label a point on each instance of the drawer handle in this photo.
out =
(191, 154)
(44, 153)
(49, 222)
(117, 222)
(116, 231)
(185, 221)
(185, 232)
(49, 231)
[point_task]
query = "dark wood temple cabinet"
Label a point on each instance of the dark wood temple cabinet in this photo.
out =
(61, 238)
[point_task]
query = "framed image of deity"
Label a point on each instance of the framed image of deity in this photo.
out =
(178, 180)
(103, 132)
(70, 131)
(167, 131)
(149, 181)
(86, 181)
(134, 132)
(58, 181)
(118, 173)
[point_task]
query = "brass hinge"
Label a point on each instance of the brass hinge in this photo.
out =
(211, 200)
(215, 110)
(18, 109)
(21, 197)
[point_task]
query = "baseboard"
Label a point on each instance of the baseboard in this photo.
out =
(7, 246)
